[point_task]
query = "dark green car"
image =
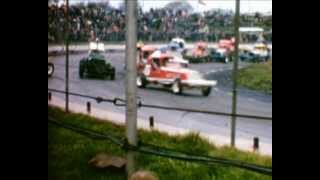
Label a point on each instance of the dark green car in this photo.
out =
(96, 66)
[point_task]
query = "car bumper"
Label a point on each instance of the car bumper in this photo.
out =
(199, 83)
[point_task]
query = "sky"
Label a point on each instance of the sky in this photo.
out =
(246, 6)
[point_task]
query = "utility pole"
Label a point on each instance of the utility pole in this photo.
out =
(131, 76)
(235, 73)
(67, 55)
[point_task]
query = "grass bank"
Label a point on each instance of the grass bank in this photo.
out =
(257, 77)
(69, 153)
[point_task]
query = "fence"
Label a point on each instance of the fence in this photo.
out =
(121, 102)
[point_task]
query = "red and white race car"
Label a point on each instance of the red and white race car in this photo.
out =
(163, 68)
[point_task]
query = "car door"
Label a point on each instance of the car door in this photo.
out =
(155, 71)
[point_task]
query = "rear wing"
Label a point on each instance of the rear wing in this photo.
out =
(96, 46)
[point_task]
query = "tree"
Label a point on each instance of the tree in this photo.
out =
(179, 6)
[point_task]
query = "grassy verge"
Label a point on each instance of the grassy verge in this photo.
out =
(257, 77)
(69, 153)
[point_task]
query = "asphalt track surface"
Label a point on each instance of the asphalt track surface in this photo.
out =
(220, 99)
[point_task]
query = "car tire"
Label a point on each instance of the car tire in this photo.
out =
(50, 69)
(112, 74)
(177, 87)
(141, 81)
(81, 71)
(206, 91)
(226, 60)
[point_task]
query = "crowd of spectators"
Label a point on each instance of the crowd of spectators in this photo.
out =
(108, 24)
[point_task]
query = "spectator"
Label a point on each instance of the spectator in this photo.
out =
(160, 24)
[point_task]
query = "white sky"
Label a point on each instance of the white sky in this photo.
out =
(245, 5)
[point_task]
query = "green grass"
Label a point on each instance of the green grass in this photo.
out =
(257, 77)
(69, 153)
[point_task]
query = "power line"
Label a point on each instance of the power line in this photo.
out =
(121, 102)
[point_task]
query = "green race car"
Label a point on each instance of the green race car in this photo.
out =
(96, 66)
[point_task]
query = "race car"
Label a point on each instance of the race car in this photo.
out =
(162, 68)
(220, 55)
(198, 54)
(262, 51)
(259, 53)
(95, 65)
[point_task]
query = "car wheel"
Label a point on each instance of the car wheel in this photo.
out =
(141, 81)
(206, 91)
(81, 71)
(50, 69)
(226, 60)
(176, 87)
(113, 74)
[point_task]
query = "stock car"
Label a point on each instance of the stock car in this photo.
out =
(220, 55)
(164, 69)
(198, 54)
(95, 65)
(224, 51)
(259, 53)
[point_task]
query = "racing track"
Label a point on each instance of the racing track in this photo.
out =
(249, 102)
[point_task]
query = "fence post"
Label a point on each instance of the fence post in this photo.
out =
(67, 55)
(151, 122)
(255, 143)
(88, 107)
(49, 96)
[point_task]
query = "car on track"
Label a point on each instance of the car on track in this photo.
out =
(198, 54)
(95, 64)
(259, 53)
(220, 55)
(164, 69)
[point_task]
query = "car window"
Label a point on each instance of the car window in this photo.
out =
(145, 54)
(156, 61)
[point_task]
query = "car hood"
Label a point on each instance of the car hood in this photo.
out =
(192, 74)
